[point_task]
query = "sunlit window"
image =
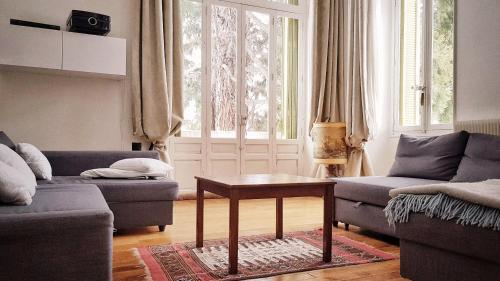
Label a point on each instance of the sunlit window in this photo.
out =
(287, 48)
(426, 63)
(192, 48)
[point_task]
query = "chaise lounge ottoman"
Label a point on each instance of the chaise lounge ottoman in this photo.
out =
(65, 234)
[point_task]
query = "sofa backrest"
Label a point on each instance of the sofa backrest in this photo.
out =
(72, 163)
(435, 158)
(4, 139)
(481, 159)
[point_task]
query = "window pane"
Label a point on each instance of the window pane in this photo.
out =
(412, 62)
(287, 46)
(442, 61)
(191, 36)
(256, 75)
(224, 71)
(292, 2)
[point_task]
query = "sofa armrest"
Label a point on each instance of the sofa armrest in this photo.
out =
(72, 163)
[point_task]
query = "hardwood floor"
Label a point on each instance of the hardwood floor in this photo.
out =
(256, 217)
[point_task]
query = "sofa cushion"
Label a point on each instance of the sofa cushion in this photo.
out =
(144, 165)
(11, 158)
(481, 159)
(373, 190)
(125, 190)
(35, 159)
(14, 186)
(57, 208)
(110, 173)
(5, 140)
(435, 158)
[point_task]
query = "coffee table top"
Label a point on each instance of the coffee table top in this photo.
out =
(264, 180)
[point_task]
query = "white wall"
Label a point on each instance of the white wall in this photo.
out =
(64, 112)
(478, 59)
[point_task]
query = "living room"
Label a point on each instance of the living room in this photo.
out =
(249, 139)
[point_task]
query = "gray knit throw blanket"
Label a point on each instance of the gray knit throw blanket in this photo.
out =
(469, 203)
(443, 207)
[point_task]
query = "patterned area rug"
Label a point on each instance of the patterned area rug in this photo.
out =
(258, 256)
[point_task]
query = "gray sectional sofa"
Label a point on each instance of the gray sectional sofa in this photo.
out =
(66, 233)
(134, 203)
(431, 248)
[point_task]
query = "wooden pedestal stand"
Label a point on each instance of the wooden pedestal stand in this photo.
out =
(333, 165)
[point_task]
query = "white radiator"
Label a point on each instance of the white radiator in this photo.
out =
(491, 126)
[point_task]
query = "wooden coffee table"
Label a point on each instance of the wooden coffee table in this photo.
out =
(262, 186)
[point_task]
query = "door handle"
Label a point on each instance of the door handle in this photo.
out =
(243, 120)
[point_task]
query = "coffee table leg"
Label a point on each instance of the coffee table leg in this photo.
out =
(199, 214)
(279, 218)
(233, 233)
(327, 223)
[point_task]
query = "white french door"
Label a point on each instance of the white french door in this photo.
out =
(252, 95)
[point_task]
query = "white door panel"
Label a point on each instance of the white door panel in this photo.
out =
(188, 148)
(257, 148)
(257, 166)
(287, 166)
(232, 148)
(224, 167)
(287, 148)
(185, 171)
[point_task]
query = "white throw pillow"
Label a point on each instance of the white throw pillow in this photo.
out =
(11, 158)
(15, 187)
(35, 159)
(117, 174)
(144, 165)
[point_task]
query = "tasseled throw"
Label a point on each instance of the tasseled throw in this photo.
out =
(444, 207)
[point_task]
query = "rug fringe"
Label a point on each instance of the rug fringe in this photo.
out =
(147, 272)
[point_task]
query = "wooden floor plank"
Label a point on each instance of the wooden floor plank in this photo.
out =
(256, 217)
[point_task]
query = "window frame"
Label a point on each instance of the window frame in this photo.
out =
(199, 148)
(299, 12)
(426, 126)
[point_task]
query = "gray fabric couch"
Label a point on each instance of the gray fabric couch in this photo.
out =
(67, 231)
(435, 249)
(430, 248)
(134, 203)
(65, 234)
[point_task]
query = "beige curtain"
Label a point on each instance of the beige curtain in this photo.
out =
(342, 74)
(157, 73)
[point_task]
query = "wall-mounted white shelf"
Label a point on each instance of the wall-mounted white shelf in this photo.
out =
(60, 52)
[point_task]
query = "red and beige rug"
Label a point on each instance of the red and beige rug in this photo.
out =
(258, 256)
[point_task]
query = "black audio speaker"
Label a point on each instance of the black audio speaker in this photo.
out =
(89, 23)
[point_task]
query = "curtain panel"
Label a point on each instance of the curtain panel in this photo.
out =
(290, 65)
(342, 88)
(157, 67)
